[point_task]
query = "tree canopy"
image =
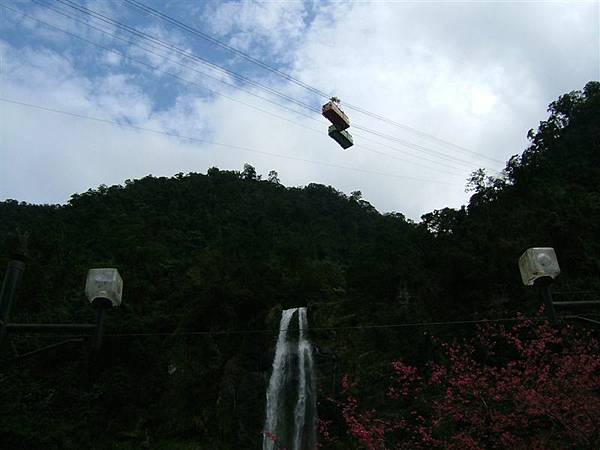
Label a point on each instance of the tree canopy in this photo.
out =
(227, 250)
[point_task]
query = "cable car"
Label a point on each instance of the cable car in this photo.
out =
(342, 137)
(331, 110)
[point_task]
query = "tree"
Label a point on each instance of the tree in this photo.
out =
(527, 386)
(355, 195)
(249, 173)
(226, 250)
(218, 252)
(443, 221)
(273, 177)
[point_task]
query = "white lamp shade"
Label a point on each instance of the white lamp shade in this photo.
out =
(538, 262)
(104, 284)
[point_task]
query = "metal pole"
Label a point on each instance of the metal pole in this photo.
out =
(8, 294)
(543, 284)
(577, 303)
(99, 331)
(87, 328)
(587, 319)
(12, 279)
(45, 349)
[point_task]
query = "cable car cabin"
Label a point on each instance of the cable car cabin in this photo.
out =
(342, 137)
(335, 115)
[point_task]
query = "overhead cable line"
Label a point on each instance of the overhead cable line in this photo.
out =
(187, 54)
(165, 17)
(278, 104)
(396, 149)
(332, 328)
(183, 52)
(151, 51)
(154, 12)
(422, 133)
(388, 155)
(416, 146)
(204, 141)
(146, 65)
(157, 69)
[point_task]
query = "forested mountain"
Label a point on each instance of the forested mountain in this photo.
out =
(548, 196)
(227, 250)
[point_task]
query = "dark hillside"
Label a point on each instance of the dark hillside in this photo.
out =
(222, 251)
(227, 251)
(548, 196)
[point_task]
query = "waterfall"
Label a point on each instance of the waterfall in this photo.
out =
(291, 395)
(276, 385)
(304, 433)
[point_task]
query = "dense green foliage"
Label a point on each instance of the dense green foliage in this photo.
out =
(548, 196)
(228, 250)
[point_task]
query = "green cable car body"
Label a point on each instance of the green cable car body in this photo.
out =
(342, 137)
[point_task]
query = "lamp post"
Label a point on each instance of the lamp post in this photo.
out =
(11, 281)
(104, 289)
(539, 267)
(8, 293)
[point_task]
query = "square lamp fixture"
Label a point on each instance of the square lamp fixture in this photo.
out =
(104, 284)
(537, 263)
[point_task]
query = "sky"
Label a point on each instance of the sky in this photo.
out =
(88, 100)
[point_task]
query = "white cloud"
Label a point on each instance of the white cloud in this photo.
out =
(119, 97)
(112, 59)
(476, 75)
(262, 28)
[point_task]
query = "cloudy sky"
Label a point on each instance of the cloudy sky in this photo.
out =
(458, 85)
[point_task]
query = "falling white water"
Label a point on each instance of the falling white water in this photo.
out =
(292, 383)
(277, 376)
(304, 433)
